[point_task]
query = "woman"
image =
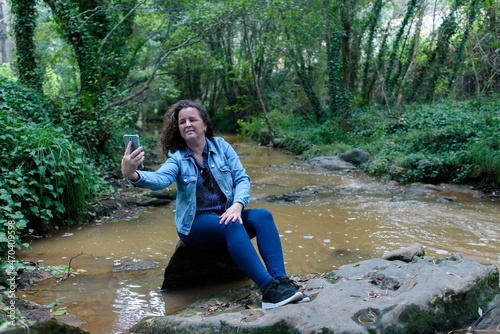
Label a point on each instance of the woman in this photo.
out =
(213, 191)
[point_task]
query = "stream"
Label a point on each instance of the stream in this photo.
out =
(318, 234)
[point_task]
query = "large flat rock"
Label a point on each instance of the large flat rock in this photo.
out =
(426, 295)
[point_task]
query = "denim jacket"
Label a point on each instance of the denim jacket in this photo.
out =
(225, 166)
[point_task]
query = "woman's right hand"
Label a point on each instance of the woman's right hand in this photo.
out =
(131, 161)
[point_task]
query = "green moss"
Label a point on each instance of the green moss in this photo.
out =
(149, 326)
(443, 315)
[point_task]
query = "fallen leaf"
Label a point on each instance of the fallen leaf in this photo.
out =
(59, 311)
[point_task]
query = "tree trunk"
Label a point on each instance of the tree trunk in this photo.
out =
(24, 14)
(301, 70)
(414, 56)
(346, 64)
(85, 48)
(230, 80)
(334, 69)
(473, 61)
(397, 41)
(374, 19)
(4, 37)
(256, 82)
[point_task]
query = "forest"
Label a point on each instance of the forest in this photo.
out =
(414, 82)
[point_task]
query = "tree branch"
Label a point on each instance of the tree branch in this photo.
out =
(189, 41)
(116, 26)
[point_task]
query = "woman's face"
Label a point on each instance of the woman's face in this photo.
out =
(191, 125)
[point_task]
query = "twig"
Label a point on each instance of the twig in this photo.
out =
(480, 318)
(69, 266)
(116, 26)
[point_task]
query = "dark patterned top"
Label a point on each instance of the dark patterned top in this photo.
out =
(209, 198)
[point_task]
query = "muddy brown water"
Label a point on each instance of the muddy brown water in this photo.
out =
(358, 221)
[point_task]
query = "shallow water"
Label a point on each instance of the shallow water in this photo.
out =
(359, 220)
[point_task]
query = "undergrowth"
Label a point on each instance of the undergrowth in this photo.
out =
(447, 141)
(46, 178)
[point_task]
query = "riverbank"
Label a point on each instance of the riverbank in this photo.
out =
(403, 293)
(309, 250)
(443, 142)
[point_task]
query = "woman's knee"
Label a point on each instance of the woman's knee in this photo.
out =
(261, 215)
(235, 227)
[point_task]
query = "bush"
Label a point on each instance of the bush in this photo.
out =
(45, 178)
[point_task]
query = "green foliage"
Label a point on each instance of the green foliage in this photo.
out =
(312, 60)
(7, 72)
(45, 178)
(448, 141)
(380, 166)
(24, 16)
(61, 79)
(442, 142)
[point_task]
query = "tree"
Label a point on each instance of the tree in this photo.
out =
(304, 31)
(339, 60)
(255, 79)
(4, 46)
(24, 17)
(373, 21)
(106, 47)
(413, 58)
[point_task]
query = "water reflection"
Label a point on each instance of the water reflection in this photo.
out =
(131, 305)
(356, 219)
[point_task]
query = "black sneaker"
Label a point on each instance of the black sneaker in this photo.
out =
(286, 281)
(275, 294)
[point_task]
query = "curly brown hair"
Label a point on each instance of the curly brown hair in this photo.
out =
(171, 139)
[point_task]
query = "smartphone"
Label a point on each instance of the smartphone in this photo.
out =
(135, 144)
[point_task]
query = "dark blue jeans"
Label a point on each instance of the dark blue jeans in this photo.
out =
(207, 233)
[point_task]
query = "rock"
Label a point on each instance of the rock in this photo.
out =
(189, 267)
(432, 187)
(288, 197)
(491, 316)
(334, 163)
(150, 160)
(26, 278)
(396, 172)
(38, 318)
(163, 194)
(424, 163)
(445, 199)
(299, 194)
(47, 326)
(265, 137)
(153, 202)
(405, 254)
(157, 198)
(374, 296)
(356, 156)
(108, 206)
(137, 265)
